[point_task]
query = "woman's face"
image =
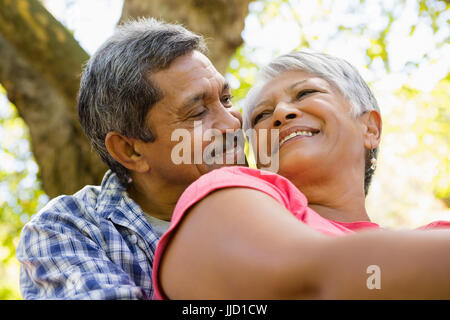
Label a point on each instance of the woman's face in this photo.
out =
(318, 137)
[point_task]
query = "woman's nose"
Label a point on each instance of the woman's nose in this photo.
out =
(283, 113)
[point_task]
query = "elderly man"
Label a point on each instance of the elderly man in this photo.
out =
(149, 79)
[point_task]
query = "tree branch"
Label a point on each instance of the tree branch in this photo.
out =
(219, 21)
(46, 97)
(44, 42)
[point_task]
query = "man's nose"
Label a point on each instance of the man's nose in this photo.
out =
(283, 113)
(228, 119)
(235, 112)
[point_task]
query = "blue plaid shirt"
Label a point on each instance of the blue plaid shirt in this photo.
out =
(95, 244)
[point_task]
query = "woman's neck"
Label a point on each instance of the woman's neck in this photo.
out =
(340, 214)
(338, 200)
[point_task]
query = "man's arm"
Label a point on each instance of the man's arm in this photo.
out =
(239, 243)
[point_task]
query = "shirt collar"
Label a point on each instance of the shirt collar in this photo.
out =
(111, 192)
(115, 204)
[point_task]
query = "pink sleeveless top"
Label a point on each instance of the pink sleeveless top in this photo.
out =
(276, 186)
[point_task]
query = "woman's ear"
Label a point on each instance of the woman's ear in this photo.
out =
(372, 123)
(123, 150)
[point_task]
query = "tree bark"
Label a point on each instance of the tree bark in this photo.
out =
(40, 68)
(41, 64)
(219, 21)
(59, 146)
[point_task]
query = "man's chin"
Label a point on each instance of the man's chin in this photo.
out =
(236, 158)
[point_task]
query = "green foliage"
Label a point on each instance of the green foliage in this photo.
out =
(241, 73)
(432, 130)
(413, 169)
(20, 192)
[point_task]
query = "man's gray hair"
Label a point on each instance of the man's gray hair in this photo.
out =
(337, 72)
(116, 92)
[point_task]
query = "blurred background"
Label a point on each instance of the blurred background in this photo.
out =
(401, 48)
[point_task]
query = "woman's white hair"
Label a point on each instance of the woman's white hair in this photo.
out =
(337, 72)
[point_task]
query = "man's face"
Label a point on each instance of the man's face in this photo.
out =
(196, 99)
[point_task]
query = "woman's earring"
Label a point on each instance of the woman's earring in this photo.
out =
(373, 160)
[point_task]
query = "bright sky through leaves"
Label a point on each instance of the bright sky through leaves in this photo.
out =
(401, 47)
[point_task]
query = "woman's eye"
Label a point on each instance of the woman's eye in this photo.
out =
(260, 116)
(304, 93)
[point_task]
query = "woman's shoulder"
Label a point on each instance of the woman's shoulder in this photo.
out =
(270, 183)
(439, 224)
(236, 175)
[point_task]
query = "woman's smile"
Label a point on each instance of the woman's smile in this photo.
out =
(295, 133)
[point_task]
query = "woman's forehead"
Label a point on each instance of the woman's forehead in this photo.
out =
(286, 82)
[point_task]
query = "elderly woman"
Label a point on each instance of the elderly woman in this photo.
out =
(243, 233)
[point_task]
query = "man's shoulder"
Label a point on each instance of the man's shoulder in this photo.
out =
(61, 220)
(80, 205)
(89, 203)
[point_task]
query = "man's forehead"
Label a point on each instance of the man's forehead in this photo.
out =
(193, 59)
(188, 74)
(187, 65)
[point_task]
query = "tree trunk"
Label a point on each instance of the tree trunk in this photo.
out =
(40, 68)
(219, 21)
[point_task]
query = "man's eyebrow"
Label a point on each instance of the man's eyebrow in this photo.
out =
(196, 97)
(192, 99)
(226, 86)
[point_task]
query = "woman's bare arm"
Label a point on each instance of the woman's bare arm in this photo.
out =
(228, 247)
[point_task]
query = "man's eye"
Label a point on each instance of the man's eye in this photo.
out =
(304, 93)
(261, 116)
(198, 113)
(226, 101)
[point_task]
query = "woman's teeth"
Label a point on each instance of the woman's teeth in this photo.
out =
(296, 133)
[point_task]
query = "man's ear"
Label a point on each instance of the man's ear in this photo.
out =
(123, 150)
(372, 124)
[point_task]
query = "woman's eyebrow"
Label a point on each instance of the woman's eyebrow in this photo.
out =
(262, 103)
(288, 89)
(292, 86)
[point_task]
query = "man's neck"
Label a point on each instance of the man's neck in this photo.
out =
(156, 199)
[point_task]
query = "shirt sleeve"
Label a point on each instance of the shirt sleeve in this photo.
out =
(61, 259)
(273, 185)
(439, 224)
